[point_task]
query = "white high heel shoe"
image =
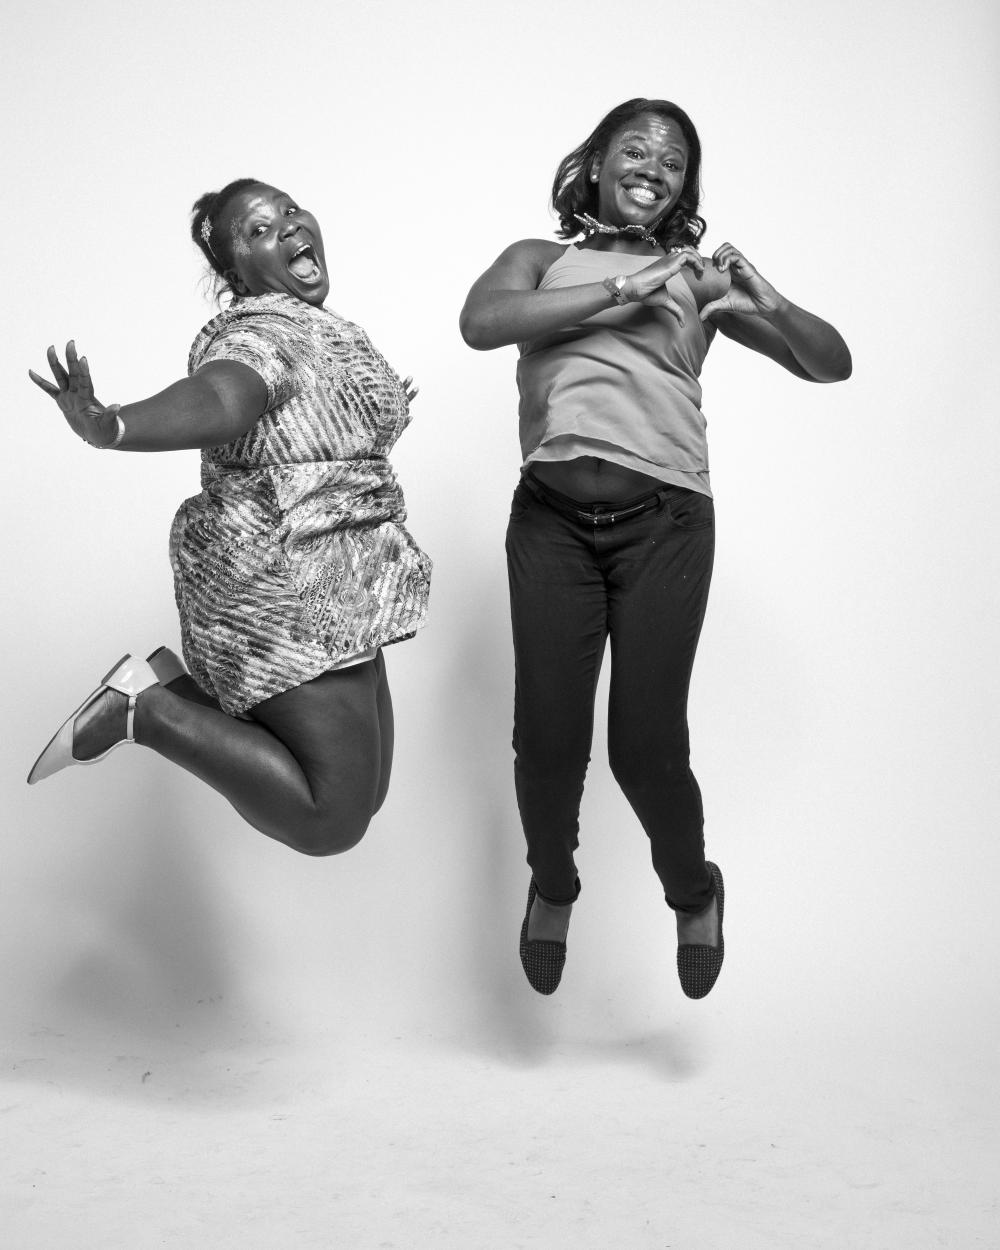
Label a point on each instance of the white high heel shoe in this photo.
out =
(130, 676)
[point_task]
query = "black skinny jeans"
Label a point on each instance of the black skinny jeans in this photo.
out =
(642, 581)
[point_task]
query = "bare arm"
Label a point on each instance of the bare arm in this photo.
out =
(751, 312)
(218, 403)
(505, 305)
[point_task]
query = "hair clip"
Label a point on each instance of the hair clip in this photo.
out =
(206, 233)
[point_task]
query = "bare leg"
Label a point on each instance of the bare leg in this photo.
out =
(700, 929)
(188, 688)
(386, 728)
(307, 770)
(548, 921)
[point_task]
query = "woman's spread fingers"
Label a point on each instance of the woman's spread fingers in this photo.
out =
(72, 366)
(86, 383)
(58, 372)
(46, 386)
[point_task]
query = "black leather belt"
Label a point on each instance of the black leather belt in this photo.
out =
(596, 515)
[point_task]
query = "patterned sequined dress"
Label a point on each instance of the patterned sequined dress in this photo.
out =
(294, 556)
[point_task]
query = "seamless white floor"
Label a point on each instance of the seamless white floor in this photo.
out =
(713, 1125)
(349, 1056)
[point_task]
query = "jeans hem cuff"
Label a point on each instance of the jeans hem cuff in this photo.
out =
(558, 902)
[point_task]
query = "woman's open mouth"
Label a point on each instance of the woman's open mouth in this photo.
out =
(644, 196)
(303, 263)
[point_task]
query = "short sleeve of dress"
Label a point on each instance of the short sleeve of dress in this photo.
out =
(261, 338)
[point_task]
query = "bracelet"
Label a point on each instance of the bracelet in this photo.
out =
(614, 287)
(119, 429)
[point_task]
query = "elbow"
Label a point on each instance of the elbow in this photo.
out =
(474, 332)
(838, 370)
(843, 368)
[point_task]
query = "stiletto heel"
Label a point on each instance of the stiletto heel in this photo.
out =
(167, 665)
(130, 676)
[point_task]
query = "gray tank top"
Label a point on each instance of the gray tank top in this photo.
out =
(622, 385)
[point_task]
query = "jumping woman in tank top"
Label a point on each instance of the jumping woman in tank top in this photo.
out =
(611, 530)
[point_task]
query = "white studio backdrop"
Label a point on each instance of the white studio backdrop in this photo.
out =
(844, 720)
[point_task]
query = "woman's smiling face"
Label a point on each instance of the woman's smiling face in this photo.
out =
(276, 246)
(641, 174)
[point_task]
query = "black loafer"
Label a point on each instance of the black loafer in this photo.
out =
(699, 966)
(542, 961)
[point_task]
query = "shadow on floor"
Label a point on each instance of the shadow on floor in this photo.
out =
(142, 994)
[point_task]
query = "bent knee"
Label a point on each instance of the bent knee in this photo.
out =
(328, 837)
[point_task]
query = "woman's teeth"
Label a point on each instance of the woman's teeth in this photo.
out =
(303, 264)
(641, 195)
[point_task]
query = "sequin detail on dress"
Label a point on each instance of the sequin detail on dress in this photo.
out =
(294, 556)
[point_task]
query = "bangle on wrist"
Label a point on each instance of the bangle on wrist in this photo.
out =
(615, 288)
(119, 427)
(115, 410)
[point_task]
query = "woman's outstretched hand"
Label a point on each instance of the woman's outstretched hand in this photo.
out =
(73, 391)
(748, 293)
(411, 390)
(648, 286)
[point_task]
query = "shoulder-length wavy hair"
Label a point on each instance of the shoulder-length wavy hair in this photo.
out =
(573, 192)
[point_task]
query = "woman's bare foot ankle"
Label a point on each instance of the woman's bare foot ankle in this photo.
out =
(548, 922)
(100, 725)
(700, 928)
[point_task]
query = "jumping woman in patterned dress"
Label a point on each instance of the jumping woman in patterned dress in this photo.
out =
(292, 567)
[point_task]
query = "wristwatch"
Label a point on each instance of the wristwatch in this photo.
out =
(614, 287)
